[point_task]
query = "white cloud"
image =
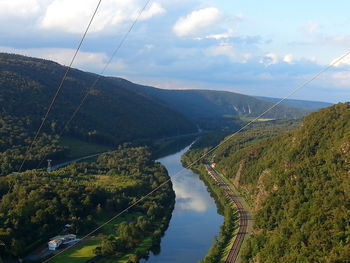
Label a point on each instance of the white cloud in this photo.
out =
(228, 34)
(341, 62)
(154, 10)
(18, 8)
(288, 58)
(336, 81)
(197, 21)
(343, 40)
(228, 50)
(342, 79)
(311, 27)
(189, 195)
(223, 49)
(73, 16)
(270, 59)
(146, 49)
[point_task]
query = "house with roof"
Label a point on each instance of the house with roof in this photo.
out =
(57, 241)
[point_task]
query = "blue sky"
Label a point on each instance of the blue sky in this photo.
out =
(264, 48)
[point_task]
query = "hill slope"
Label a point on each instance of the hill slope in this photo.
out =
(299, 186)
(203, 104)
(27, 85)
(112, 114)
(301, 104)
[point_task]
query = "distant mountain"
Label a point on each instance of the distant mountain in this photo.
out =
(116, 111)
(301, 104)
(204, 104)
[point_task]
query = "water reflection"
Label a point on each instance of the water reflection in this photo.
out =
(189, 193)
(195, 221)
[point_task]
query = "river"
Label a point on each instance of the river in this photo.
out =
(195, 220)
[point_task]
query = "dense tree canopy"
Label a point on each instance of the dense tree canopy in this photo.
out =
(41, 203)
(114, 113)
(299, 186)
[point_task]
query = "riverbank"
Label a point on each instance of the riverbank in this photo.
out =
(195, 219)
(221, 246)
(85, 252)
(85, 196)
(238, 221)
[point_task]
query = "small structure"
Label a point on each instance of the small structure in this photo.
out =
(53, 244)
(213, 165)
(49, 167)
(57, 241)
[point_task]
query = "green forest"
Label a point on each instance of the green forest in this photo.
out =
(114, 112)
(41, 203)
(298, 185)
(293, 173)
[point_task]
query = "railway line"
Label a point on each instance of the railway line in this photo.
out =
(243, 215)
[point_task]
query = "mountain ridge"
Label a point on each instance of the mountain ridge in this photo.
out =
(302, 104)
(199, 103)
(111, 115)
(116, 110)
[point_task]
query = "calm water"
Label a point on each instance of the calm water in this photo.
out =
(195, 220)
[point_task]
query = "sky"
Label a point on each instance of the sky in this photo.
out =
(262, 48)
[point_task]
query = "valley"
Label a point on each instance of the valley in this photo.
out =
(137, 137)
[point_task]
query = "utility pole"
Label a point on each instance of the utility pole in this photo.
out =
(49, 168)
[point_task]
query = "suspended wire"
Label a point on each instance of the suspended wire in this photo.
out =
(332, 64)
(30, 147)
(99, 76)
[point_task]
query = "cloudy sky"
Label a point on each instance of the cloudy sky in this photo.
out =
(264, 48)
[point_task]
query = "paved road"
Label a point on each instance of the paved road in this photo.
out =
(244, 216)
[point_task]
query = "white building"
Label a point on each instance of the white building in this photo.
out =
(55, 242)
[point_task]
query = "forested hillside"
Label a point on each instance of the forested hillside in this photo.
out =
(301, 104)
(40, 204)
(113, 113)
(299, 188)
(201, 105)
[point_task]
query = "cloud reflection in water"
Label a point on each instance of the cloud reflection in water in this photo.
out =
(189, 193)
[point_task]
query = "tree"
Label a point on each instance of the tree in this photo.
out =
(109, 246)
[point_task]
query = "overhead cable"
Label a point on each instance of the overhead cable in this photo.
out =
(332, 64)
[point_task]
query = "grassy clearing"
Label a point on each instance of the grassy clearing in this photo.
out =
(84, 252)
(80, 148)
(78, 254)
(248, 119)
(144, 246)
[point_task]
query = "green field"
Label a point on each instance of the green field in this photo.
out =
(78, 254)
(84, 252)
(249, 119)
(80, 148)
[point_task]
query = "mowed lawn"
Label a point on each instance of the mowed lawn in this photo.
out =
(84, 251)
(79, 254)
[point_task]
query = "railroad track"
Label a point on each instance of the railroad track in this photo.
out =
(232, 256)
